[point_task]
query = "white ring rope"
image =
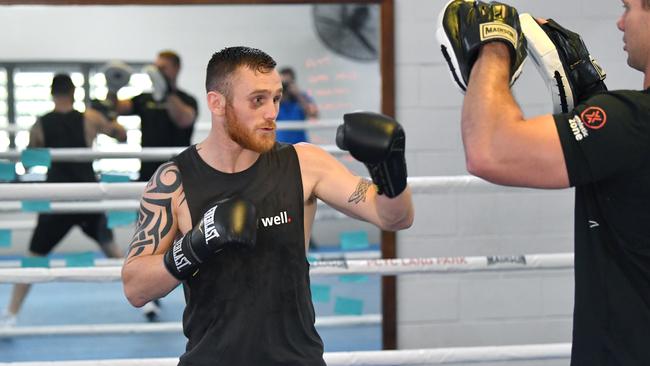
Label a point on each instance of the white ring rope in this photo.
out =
(386, 267)
(78, 206)
(115, 262)
(324, 212)
(133, 190)
(165, 327)
(321, 124)
(416, 357)
(143, 154)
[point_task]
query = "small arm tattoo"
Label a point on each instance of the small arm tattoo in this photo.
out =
(359, 194)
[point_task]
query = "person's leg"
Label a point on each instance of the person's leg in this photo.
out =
(96, 227)
(50, 229)
(18, 295)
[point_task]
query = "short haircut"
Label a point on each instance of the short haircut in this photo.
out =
(291, 72)
(224, 63)
(171, 56)
(62, 85)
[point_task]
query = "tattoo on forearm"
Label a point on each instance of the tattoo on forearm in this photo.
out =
(153, 224)
(359, 194)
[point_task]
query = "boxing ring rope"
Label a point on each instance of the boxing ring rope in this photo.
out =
(324, 212)
(144, 154)
(115, 262)
(114, 191)
(386, 267)
(165, 327)
(321, 124)
(416, 357)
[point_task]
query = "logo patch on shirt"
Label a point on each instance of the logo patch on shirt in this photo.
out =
(594, 117)
(280, 219)
(578, 128)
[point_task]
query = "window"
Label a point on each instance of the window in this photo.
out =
(4, 110)
(31, 97)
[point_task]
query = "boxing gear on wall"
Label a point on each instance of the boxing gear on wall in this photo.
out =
(228, 223)
(563, 61)
(378, 141)
(464, 26)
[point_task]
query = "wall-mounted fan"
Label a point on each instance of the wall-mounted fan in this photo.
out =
(350, 30)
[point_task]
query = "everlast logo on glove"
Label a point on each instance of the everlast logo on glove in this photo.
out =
(498, 30)
(179, 259)
(208, 225)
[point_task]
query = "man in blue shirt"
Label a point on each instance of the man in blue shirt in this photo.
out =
(295, 105)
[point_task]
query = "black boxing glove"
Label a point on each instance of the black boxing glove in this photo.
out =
(571, 74)
(230, 222)
(378, 141)
(464, 26)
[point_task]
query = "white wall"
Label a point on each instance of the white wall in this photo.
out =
(486, 309)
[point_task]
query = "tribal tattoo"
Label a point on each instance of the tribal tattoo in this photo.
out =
(153, 224)
(359, 194)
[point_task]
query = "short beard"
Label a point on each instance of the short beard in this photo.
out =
(245, 138)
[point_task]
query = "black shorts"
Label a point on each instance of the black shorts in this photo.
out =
(51, 228)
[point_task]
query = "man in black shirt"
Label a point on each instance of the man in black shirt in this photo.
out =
(167, 116)
(65, 127)
(231, 217)
(601, 147)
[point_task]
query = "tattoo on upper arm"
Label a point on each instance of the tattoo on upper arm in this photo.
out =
(156, 219)
(359, 194)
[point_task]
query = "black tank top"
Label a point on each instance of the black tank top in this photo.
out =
(252, 307)
(62, 130)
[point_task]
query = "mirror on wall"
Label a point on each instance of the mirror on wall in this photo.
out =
(335, 50)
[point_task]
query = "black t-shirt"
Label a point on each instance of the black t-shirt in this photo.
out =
(158, 129)
(66, 130)
(606, 144)
(252, 306)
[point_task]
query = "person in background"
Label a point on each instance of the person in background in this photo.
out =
(167, 114)
(64, 127)
(296, 105)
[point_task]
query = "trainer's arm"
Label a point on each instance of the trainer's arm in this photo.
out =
(36, 135)
(144, 275)
(181, 113)
(333, 183)
(500, 145)
(96, 123)
(123, 106)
